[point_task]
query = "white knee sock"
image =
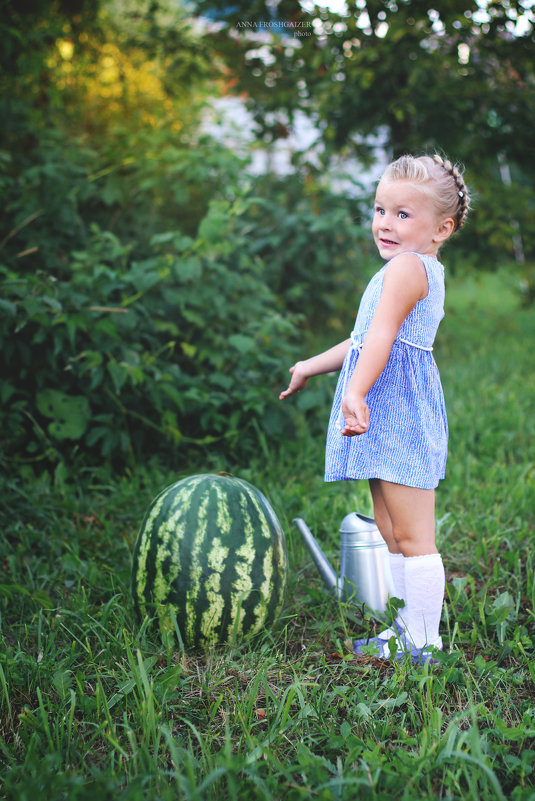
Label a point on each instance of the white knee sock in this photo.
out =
(424, 596)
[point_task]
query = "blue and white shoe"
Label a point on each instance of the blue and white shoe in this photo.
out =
(379, 643)
(381, 640)
(379, 646)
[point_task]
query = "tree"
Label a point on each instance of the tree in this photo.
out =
(426, 75)
(458, 76)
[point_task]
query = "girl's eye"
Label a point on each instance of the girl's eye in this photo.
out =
(403, 215)
(379, 210)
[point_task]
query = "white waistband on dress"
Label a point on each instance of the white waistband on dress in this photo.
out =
(357, 344)
(413, 344)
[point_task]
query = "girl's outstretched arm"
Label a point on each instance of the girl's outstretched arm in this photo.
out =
(405, 283)
(325, 362)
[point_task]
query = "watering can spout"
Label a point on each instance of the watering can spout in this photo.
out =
(326, 571)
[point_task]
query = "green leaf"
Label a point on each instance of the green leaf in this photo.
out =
(363, 711)
(6, 391)
(70, 413)
(188, 349)
(172, 392)
(118, 373)
(510, 732)
(187, 269)
(40, 597)
(6, 307)
(502, 606)
(241, 343)
(179, 241)
(62, 681)
(53, 303)
(143, 276)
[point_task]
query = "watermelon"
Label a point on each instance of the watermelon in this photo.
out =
(211, 555)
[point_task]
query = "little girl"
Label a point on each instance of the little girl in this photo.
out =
(388, 420)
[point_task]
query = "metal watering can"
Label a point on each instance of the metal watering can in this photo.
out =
(365, 576)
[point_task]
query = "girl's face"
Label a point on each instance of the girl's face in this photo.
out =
(405, 219)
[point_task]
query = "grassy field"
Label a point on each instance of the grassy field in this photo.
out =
(92, 707)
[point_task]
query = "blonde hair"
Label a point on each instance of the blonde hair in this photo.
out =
(445, 182)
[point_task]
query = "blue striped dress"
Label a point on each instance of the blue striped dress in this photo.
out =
(407, 438)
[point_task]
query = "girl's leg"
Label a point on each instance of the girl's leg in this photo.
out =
(382, 518)
(395, 557)
(407, 515)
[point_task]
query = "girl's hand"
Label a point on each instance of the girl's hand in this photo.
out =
(299, 381)
(356, 415)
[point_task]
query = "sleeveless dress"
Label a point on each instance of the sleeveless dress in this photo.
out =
(407, 438)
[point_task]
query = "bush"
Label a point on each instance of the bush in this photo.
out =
(120, 357)
(313, 244)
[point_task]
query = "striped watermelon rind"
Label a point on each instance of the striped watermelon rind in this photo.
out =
(211, 555)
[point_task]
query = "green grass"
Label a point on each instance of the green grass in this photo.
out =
(92, 706)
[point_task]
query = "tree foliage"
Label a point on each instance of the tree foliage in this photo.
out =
(458, 77)
(452, 74)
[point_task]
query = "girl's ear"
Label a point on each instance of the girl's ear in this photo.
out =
(445, 229)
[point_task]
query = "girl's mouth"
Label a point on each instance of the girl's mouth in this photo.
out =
(387, 242)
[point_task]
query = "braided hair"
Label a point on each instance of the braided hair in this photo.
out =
(462, 192)
(443, 180)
